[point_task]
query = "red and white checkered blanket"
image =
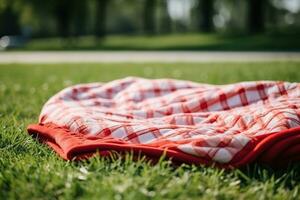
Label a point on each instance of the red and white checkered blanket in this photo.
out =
(228, 125)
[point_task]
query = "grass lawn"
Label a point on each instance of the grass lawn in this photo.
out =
(29, 170)
(188, 41)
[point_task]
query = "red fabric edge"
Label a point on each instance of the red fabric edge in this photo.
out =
(265, 148)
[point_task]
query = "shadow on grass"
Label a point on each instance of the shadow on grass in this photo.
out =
(286, 177)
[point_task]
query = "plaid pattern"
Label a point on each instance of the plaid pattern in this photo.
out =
(217, 123)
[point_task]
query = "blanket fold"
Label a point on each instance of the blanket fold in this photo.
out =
(225, 125)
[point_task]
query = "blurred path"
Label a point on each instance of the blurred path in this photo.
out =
(143, 56)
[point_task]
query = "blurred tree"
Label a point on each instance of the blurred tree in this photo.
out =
(98, 17)
(164, 20)
(100, 21)
(9, 19)
(124, 17)
(256, 9)
(79, 17)
(148, 18)
(69, 16)
(41, 14)
(63, 16)
(206, 11)
(272, 17)
(234, 13)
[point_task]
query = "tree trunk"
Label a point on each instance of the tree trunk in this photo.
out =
(164, 19)
(149, 17)
(206, 11)
(63, 18)
(101, 12)
(256, 16)
(79, 17)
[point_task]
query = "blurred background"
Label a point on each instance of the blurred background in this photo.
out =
(150, 25)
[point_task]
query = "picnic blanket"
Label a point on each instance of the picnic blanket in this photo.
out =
(225, 125)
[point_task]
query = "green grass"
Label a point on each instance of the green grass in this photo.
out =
(173, 42)
(29, 170)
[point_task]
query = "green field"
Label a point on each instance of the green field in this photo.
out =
(30, 170)
(189, 41)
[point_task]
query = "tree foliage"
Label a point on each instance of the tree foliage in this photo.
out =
(71, 18)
